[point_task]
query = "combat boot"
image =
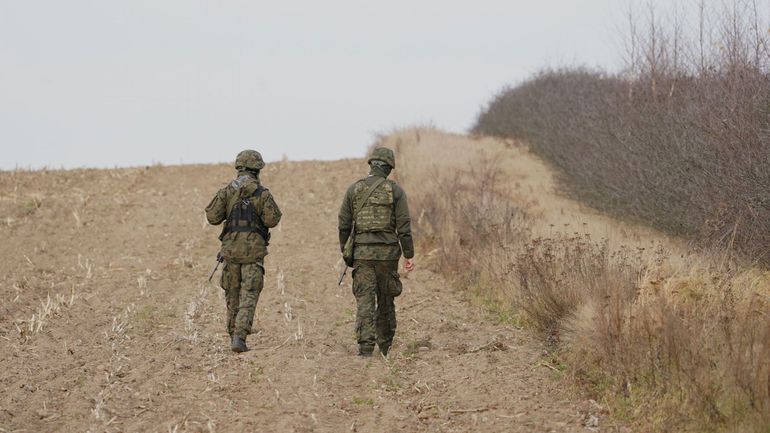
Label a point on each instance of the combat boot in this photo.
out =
(384, 350)
(238, 344)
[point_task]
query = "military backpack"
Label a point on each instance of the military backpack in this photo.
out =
(242, 216)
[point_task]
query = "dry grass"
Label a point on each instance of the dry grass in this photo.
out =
(681, 347)
(463, 215)
(55, 304)
(49, 308)
(671, 342)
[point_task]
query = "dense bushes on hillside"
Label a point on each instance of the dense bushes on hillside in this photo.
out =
(681, 141)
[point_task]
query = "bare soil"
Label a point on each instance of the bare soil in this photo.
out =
(107, 321)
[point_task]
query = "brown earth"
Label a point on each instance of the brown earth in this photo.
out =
(107, 322)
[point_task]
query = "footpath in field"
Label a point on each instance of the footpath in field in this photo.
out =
(107, 322)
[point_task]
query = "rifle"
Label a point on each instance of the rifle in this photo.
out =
(220, 259)
(342, 277)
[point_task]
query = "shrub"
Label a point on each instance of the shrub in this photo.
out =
(679, 141)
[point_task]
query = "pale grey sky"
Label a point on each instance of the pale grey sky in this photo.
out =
(102, 83)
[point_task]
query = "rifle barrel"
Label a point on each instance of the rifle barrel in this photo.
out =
(342, 277)
(213, 271)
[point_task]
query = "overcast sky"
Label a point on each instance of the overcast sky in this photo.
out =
(105, 83)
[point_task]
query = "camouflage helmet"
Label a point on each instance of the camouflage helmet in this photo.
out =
(249, 159)
(383, 154)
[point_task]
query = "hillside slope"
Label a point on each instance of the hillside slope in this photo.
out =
(529, 180)
(107, 322)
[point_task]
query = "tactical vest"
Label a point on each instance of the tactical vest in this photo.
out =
(242, 216)
(377, 214)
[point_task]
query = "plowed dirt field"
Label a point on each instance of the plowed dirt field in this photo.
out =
(108, 322)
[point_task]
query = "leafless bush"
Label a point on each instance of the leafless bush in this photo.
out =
(558, 275)
(679, 140)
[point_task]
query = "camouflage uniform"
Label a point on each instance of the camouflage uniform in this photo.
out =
(382, 234)
(249, 211)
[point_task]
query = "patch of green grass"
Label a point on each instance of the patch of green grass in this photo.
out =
(362, 401)
(30, 206)
(394, 368)
(392, 381)
(556, 367)
(256, 373)
(597, 382)
(146, 318)
(501, 312)
(145, 313)
(413, 347)
(392, 384)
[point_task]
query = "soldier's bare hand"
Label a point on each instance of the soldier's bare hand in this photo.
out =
(409, 265)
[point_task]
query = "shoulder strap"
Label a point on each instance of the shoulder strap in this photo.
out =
(258, 192)
(235, 198)
(368, 194)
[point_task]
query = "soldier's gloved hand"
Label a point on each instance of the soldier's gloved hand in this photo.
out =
(409, 265)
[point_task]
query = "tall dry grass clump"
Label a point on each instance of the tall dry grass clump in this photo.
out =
(468, 224)
(684, 348)
(556, 276)
(680, 140)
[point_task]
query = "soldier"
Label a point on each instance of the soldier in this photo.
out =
(374, 211)
(248, 211)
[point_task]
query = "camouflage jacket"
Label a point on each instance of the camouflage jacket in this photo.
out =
(243, 247)
(387, 244)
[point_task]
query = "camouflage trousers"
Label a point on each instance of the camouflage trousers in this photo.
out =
(242, 283)
(376, 312)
